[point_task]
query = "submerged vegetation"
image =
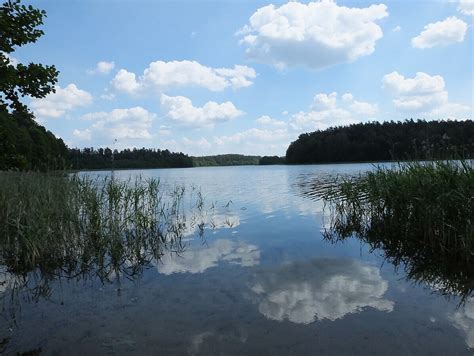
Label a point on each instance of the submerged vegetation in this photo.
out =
(421, 215)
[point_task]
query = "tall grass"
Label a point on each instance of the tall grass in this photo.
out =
(57, 226)
(421, 214)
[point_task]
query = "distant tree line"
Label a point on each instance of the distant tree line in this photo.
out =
(105, 158)
(385, 141)
(225, 160)
(268, 160)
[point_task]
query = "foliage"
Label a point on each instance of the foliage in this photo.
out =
(420, 214)
(25, 145)
(19, 26)
(225, 160)
(385, 141)
(90, 158)
(267, 160)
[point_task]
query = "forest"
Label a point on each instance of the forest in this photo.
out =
(105, 158)
(225, 160)
(386, 141)
(26, 145)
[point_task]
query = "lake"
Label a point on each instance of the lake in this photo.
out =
(254, 276)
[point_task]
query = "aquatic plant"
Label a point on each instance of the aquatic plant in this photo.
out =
(420, 214)
(54, 226)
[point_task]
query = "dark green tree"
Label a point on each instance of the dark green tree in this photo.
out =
(385, 141)
(19, 26)
(24, 144)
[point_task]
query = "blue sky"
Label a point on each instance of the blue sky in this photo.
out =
(246, 76)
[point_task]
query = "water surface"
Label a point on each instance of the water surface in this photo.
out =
(257, 278)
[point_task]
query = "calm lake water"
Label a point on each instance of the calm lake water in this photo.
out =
(260, 280)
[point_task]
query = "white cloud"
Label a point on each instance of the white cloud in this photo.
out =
(452, 111)
(199, 260)
(108, 96)
(164, 130)
(321, 289)
(466, 7)
(102, 67)
(253, 135)
(463, 319)
(324, 101)
(121, 124)
(397, 29)
(321, 120)
(196, 146)
(422, 83)
(360, 107)
(255, 141)
(161, 75)
(64, 99)
(181, 109)
(441, 33)
(126, 82)
(315, 35)
(327, 112)
(268, 121)
(424, 94)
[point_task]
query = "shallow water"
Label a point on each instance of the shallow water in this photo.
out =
(261, 280)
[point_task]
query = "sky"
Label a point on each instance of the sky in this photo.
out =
(248, 77)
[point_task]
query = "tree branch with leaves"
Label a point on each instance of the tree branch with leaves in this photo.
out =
(19, 25)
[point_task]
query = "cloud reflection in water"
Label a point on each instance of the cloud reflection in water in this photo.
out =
(199, 260)
(324, 288)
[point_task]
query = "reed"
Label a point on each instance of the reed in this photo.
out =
(76, 226)
(420, 214)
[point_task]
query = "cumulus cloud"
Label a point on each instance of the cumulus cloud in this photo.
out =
(326, 111)
(57, 104)
(463, 319)
(266, 120)
(199, 260)
(102, 67)
(108, 96)
(253, 134)
(423, 94)
(121, 124)
(466, 7)
(197, 146)
(161, 75)
(360, 107)
(441, 33)
(303, 292)
(126, 82)
(164, 130)
(314, 35)
(265, 141)
(254, 141)
(181, 109)
(397, 29)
